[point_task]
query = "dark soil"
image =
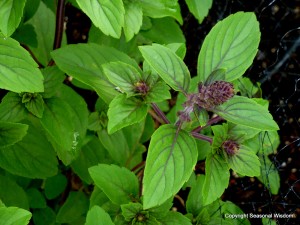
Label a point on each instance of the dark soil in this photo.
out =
(277, 68)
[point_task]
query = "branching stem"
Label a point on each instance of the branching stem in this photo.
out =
(210, 122)
(160, 113)
(202, 137)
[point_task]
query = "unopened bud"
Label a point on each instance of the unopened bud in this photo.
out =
(230, 147)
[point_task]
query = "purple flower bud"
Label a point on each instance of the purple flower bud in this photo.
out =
(141, 87)
(230, 147)
(214, 94)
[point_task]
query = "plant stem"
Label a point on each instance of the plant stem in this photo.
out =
(160, 113)
(210, 122)
(59, 29)
(202, 137)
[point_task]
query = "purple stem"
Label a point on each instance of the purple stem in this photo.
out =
(210, 122)
(160, 113)
(202, 137)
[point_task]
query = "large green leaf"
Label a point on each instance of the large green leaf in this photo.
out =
(231, 44)
(34, 154)
(58, 122)
(199, 8)
(14, 216)
(53, 79)
(168, 65)
(97, 216)
(12, 194)
(119, 184)
(43, 22)
(194, 202)
(170, 162)
(167, 26)
(11, 12)
(216, 178)
(84, 62)
(245, 111)
(90, 155)
(245, 162)
(74, 207)
(18, 71)
(11, 133)
(175, 218)
(108, 16)
(133, 18)
(124, 111)
(162, 8)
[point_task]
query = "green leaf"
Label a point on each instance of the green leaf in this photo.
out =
(58, 122)
(269, 142)
(168, 65)
(108, 16)
(26, 35)
(118, 183)
(18, 71)
(161, 8)
(53, 79)
(43, 22)
(35, 105)
(55, 185)
(124, 111)
(194, 203)
(167, 26)
(11, 133)
(97, 216)
(12, 194)
(11, 13)
(133, 18)
(159, 92)
(218, 74)
(269, 175)
(44, 216)
(245, 162)
(216, 178)
(84, 62)
(11, 108)
(34, 154)
(131, 210)
(14, 216)
(90, 155)
(123, 75)
(199, 8)
(74, 207)
(175, 218)
(35, 198)
(245, 111)
(170, 162)
(30, 9)
(232, 44)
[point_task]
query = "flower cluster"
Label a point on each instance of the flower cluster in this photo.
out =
(230, 147)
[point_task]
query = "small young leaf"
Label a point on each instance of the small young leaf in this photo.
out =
(232, 44)
(53, 79)
(124, 111)
(168, 65)
(97, 216)
(245, 162)
(216, 178)
(245, 111)
(11, 13)
(36, 105)
(123, 75)
(108, 16)
(133, 18)
(131, 210)
(170, 162)
(18, 71)
(159, 92)
(14, 216)
(55, 185)
(74, 207)
(11, 133)
(35, 198)
(44, 216)
(118, 183)
(199, 8)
